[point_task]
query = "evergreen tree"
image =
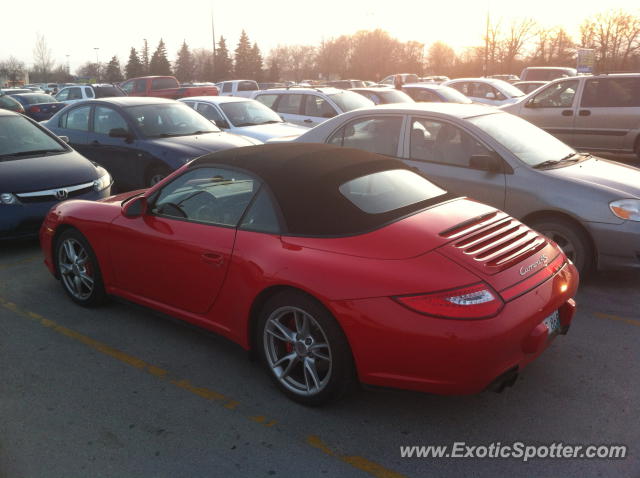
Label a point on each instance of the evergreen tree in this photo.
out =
(223, 64)
(159, 64)
(134, 68)
(256, 63)
(113, 73)
(144, 57)
(185, 65)
(243, 58)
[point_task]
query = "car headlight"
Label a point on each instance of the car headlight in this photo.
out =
(102, 182)
(8, 198)
(628, 209)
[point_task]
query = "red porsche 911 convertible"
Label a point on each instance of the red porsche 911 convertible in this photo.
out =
(333, 265)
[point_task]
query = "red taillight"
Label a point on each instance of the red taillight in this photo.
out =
(477, 301)
(34, 109)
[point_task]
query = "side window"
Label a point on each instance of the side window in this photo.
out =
(262, 216)
(208, 195)
(211, 113)
(127, 87)
(88, 92)
(290, 104)
(441, 142)
(75, 93)
(247, 86)
(227, 87)
(190, 104)
(426, 95)
(267, 100)
(378, 134)
(318, 107)
(78, 118)
(558, 95)
(106, 119)
(63, 95)
(611, 92)
(463, 87)
(140, 86)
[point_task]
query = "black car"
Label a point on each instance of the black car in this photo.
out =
(39, 106)
(37, 170)
(140, 140)
(383, 95)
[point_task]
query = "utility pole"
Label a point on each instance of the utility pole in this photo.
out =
(213, 38)
(486, 46)
(97, 64)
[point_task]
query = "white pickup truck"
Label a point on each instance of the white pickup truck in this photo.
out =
(246, 88)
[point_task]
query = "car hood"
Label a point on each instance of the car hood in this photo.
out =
(621, 180)
(197, 145)
(45, 172)
(264, 132)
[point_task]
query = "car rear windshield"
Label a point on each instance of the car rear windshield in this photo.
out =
(108, 91)
(169, 119)
(164, 83)
(452, 95)
(348, 100)
(390, 190)
(34, 99)
(395, 96)
(19, 137)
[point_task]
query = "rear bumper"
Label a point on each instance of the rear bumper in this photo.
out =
(618, 245)
(396, 347)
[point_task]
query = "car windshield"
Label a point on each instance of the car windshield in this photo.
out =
(389, 190)
(169, 119)
(21, 138)
(108, 91)
(395, 96)
(35, 99)
(509, 89)
(452, 95)
(348, 100)
(526, 141)
(249, 113)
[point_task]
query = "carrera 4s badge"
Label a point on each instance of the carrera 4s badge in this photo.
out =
(542, 261)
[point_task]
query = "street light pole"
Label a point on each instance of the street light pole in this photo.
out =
(97, 63)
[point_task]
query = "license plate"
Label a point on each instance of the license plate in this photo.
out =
(552, 323)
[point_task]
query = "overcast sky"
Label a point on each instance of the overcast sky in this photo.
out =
(75, 28)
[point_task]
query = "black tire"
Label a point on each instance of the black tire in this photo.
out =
(573, 241)
(156, 174)
(333, 377)
(81, 279)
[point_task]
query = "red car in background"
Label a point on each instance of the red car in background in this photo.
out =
(332, 264)
(164, 87)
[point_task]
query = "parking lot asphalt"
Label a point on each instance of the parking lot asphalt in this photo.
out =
(121, 392)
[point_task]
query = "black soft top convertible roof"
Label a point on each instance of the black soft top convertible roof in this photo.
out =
(304, 179)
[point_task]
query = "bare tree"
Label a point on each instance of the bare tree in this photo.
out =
(615, 35)
(13, 69)
(440, 58)
(42, 58)
(512, 45)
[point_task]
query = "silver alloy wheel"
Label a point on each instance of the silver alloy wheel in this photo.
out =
(75, 269)
(297, 351)
(565, 244)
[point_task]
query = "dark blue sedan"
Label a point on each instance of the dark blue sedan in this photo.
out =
(140, 140)
(38, 106)
(38, 170)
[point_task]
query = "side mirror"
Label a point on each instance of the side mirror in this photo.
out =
(135, 207)
(490, 96)
(486, 162)
(64, 138)
(121, 133)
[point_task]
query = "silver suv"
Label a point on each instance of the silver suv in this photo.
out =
(594, 113)
(311, 106)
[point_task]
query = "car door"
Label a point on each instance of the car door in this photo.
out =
(442, 151)
(178, 253)
(552, 109)
(289, 107)
(74, 124)
(377, 133)
(609, 114)
(119, 156)
(316, 110)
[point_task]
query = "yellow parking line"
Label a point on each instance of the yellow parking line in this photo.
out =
(626, 320)
(19, 263)
(358, 462)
